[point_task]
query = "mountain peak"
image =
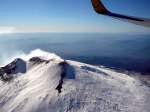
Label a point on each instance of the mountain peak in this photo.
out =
(15, 67)
(53, 84)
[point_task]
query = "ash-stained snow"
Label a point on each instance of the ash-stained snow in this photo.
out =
(84, 88)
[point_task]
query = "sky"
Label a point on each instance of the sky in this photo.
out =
(69, 16)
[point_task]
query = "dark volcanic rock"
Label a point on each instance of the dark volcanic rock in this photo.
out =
(15, 67)
(62, 75)
(37, 60)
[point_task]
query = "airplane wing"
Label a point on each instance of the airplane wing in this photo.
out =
(101, 9)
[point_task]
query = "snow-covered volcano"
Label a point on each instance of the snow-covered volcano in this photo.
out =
(51, 84)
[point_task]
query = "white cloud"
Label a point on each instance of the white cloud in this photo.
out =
(7, 29)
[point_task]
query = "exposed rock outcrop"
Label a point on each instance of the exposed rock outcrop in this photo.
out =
(17, 66)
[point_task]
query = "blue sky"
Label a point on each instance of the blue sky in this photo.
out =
(69, 16)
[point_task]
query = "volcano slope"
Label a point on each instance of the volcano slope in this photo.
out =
(56, 85)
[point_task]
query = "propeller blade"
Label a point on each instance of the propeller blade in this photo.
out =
(101, 9)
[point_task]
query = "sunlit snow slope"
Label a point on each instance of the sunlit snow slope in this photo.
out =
(47, 83)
